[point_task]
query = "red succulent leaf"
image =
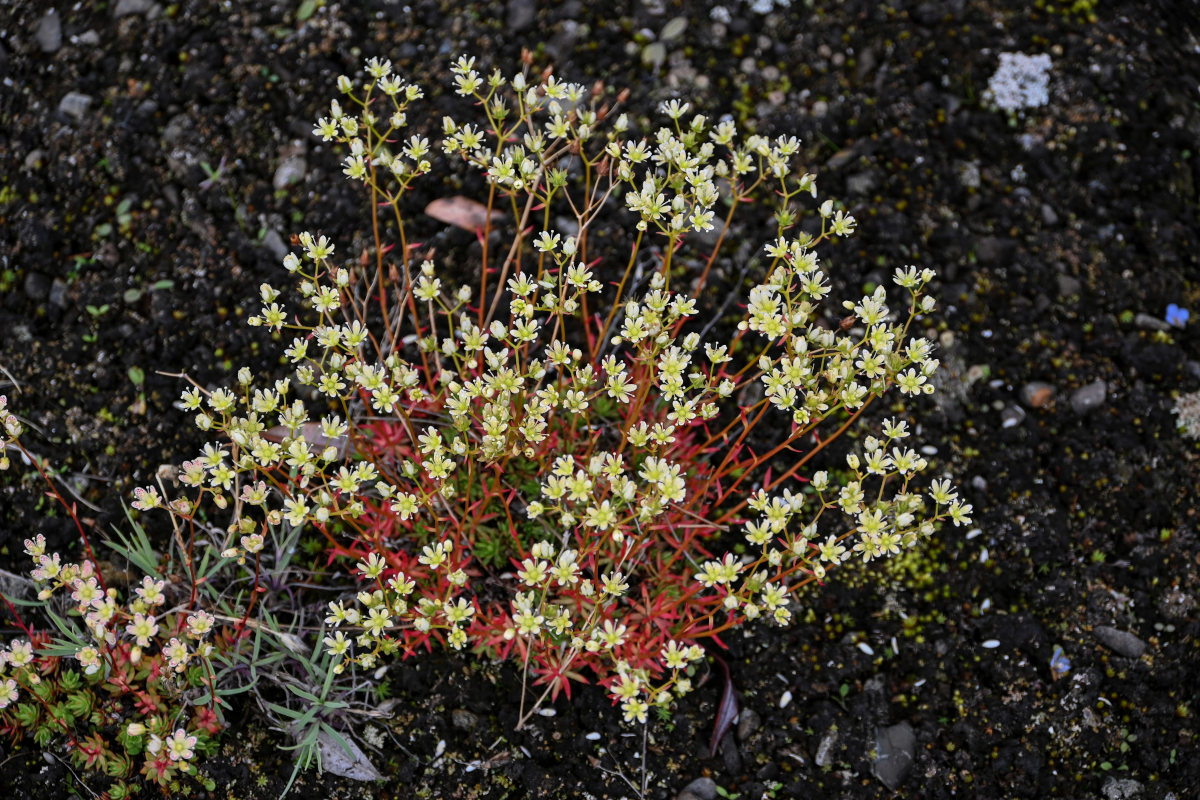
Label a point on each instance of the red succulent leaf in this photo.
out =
(727, 711)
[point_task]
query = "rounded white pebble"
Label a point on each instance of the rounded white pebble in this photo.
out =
(992, 644)
(866, 648)
(594, 736)
(546, 712)
(785, 699)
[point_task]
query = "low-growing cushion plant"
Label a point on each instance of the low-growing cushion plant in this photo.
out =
(576, 459)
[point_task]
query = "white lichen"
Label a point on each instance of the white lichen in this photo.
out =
(1187, 410)
(1020, 82)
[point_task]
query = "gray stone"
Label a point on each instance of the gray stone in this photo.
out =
(74, 105)
(463, 720)
(748, 723)
(994, 250)
(37, 286)
(1090, 397)
(520, 14)
(58, 293)
(840, 159)
(1120, 642)
(1068, 286)
(701, 788)
(126, 7)
(275, 244)
(290, 172)
(1149, 323)
(894, 751)
(17, 586)
(1012, 416)
(48, 33)
(1049, 217)
(89, 38)
(35, 159)
(176, 129)
(861, 183)
(825, 749)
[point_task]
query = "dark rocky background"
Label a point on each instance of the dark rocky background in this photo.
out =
(1060, 240)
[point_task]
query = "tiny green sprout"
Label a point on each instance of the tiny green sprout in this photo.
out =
(306, 10)
(97, 311)
(137, 376)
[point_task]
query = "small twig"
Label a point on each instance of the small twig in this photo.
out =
(729, 298)
(11, 379)
(81, 783)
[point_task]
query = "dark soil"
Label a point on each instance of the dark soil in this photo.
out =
(1051, 235)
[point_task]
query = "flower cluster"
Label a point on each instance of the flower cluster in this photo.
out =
(579, 464)
(140, 658)
(535, 478)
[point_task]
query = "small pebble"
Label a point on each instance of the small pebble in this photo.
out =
(521, 14)
(702, 788)
(1149, 323)
(1037, 394)
(824, 756)
(125, 7)
(1012, 416)
(785, 699)
(1120, 642)
(463, 720)
(748, 722)
(894, 751)
(991, 644)
(1090, 397)
(74, 105)
(594, 736)
(48, 34)
(290, 172)
(866, 648)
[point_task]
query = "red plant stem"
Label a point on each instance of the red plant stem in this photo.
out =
(729, 513)
(253, 597)
(17, 618)
(70, 510)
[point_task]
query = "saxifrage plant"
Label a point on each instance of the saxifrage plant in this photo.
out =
(568, 464)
